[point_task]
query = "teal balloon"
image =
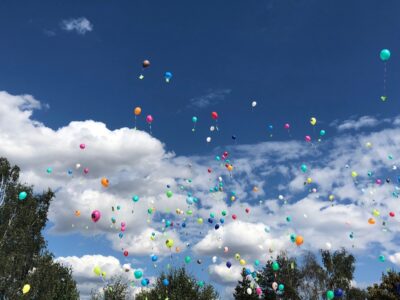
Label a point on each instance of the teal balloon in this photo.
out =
(303, 168)
(135, 198)
(293, 237)
(194, 119)
(330, 295)
(138, 274)
(382, 258)
(385, 55)
(275, 266)
(200, 283)
(187, 259)
(322, 132)
(281, 287)
(22, 196)
(49, 170)
(257, 263)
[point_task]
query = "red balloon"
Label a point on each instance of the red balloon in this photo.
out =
(214, 115)
(226, 154)
(126, 253)
(234, 216)
(247, 210)
(391, 214)
(209, 170)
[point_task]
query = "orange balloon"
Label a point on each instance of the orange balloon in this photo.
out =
(255, 189)
(146, 63)
(177, 249)
(77, 213)
(230, 168)
(137, 111)
(299, 240)
(371, 221)
(104, 182)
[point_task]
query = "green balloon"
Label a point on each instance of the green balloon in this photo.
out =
(330, 295)
(169, 194)
(385, 55)
(322, 132)
(281, 287)
(275, 266)
(138, 274)
(187, 259)
(22, 195)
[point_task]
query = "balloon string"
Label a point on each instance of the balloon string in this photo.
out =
(384, 79)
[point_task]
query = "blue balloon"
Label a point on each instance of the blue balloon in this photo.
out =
(216, 226)
(338, 293)
(189, 200)
(228, 264)
(165, 282)
(154, 258)
(233, 137)
(247, 271)
(145, 282)
(69, 172)
(222, 221)
(167, 76)
(183, 225)
(210, 220)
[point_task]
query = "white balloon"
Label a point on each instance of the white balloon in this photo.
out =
(254, 104)
(208, 139)
(214, 259)
(328, 245)
(77, 166)
(212, 128)
(226, 249)
(249, 291)
(280, 197)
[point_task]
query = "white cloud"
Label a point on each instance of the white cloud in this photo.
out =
(395, 258)
(80, 25)
(356, 124)
(211, 98)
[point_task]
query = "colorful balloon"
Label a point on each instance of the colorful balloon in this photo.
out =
(167, 76)
(138, 274)
(82, 146)
(137, 111)
(214, 115)
(313, 121)
(96, 215)
(104, 182)
(149, 119)
(22, 196)
(146, 63)
(384, 55)
(26, 288)
(299, 240)
(330, 295)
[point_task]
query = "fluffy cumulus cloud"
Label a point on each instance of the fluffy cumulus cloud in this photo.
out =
(357, 124)
(212, 98)
(79, 25)
(330, 211)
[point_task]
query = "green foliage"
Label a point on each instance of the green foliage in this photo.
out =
(313, 278)
(23, 255)
(116, 289)
(388, 289)
(181, 286)
(241, 288)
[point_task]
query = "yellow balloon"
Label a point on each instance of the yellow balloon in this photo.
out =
(26, 288)
(200, 221)
(103, 274)
(331, 197)
(97, 270)
(237, 256)
(354, 174)
(313, 121)
(376, 213)
(242, 262)
(309, 180)
(169, 243)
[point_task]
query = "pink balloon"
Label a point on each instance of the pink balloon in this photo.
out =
(86, 170)
(82, 146)
(287, 126)
(226, 249)
(258, 291)
(149, 119)
(122, 229)
(308, 138)
(378, 181)
(96, 215)
(234, 216)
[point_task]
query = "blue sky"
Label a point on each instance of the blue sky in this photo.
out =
(297, 59)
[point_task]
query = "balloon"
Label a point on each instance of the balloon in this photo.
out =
(338, 293)
(303, 168)
(126, 253)
(194, 119)
(249, 291)
(214, 259)
(138, 274)
(26, 288)
(381, 258)
(144, 282)
(281, 287)
(371, 221)
(167, 76)
(242, 262)
(104, 182)
(274, 286)
(77, 166)
(385, 55)
(228, 264)
(165, 282)
(154, 258)
(169, 193)
(77, 213)
(313, 121)
(200, 221)
(135, 198)
(330, 295)
(86, 170)
(354, 174)
(275, 266)
(146, 63)
(96, 215)
(214, 115)
(82, 146)
(287, 126)
(258, 291)
(49, 170)
(307, 138)
(226, 249)
(22, 196)
(234, 216)
(137, 111)
(188, 259)
(391, 214)
(299, 240)
(149, 119)
(169, 243)
(253, 104)
(97, 270)
(322, 132)
(208, 139)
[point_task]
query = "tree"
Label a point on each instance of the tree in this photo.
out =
(388, 289)
(116, 289)
(288, 275)
(23, 253)
(356, 294)
(313, 278)
(339, 268)
(179, 285)
(242, 286)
